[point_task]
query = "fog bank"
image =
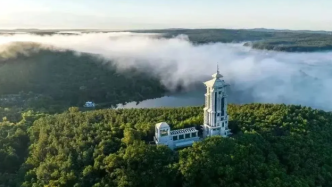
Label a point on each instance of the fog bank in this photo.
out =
(254, 75)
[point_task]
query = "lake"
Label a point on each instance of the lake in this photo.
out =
(196, 98)
(190, 98)
(193, 98)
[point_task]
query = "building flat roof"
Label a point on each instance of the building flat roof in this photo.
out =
(184, 131)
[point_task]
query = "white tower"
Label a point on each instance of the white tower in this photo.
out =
(215, 110)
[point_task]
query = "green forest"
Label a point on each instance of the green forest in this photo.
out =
(273, 145)
(278, 40)
(53, 80)
(48, 140)
(265, 39)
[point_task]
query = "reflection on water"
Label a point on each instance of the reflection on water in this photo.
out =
(264, 91)
(195, 98)
(190, 98)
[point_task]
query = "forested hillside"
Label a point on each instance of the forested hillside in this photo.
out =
(288, 41)
(268, 39)
(273, 145)
(35, 77)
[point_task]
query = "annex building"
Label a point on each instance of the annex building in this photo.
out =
(215, 119)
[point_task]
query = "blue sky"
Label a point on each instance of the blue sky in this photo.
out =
(154, 14)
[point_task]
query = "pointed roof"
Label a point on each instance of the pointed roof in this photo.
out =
(217, 75)
(216, 78)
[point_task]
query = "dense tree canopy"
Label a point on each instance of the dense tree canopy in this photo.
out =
(52, 79)
(268, 39)
(272, 145)
(288, 41)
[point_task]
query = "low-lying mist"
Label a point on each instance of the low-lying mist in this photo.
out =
(254, 75)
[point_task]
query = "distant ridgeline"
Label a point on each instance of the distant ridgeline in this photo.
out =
(269, 39)
(215, 119)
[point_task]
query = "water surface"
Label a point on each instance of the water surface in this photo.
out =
(193, 98)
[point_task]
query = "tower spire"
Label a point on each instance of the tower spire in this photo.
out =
(217, 75)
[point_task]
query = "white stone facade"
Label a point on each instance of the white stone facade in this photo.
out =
(176, 138)
(215, 118)
(215, 110)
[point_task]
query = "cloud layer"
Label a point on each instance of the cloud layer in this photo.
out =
(254, 75)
